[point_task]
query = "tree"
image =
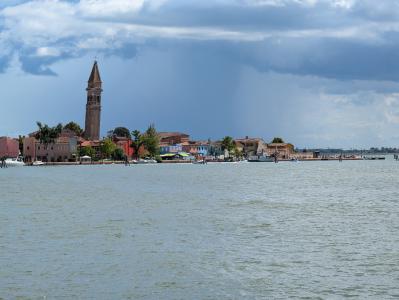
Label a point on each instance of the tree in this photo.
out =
(277, 140)
(151, 141)
(118, 154)
(121, 132)
(87, 151)
(74, 127)
(137, 143)
(47, 135)
(21, 144)
(238, 153)
(107, 148)
(228, 144)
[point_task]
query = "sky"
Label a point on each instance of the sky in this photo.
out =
(318, 73)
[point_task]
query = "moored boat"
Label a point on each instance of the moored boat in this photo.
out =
(146, 161)
(260, 158)
(38, 163)
(14, 162)
(374, 157)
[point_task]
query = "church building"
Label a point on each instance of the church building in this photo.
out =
(93, 106)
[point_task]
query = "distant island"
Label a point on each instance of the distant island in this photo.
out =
(69, 143)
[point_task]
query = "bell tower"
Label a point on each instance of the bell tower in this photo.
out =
(93, 106)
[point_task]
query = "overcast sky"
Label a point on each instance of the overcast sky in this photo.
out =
(319, 73)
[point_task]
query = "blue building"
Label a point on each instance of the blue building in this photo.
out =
(176, 148)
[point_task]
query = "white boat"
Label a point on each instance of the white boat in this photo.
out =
(38, 163)
(199, 162)
(146, 161)
(14, 162)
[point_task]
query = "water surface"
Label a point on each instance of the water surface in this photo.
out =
(324, 230)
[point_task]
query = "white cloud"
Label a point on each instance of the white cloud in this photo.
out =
(108, 8)
(47, 51)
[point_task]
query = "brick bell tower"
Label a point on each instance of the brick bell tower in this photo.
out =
(93, 106)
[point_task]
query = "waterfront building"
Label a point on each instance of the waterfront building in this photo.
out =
(251, 146)
(197, 148)
(304, 155)
(216, 150)
(95, 145)
(93, 105)
(173, 138)
(64, 149)
(166, 148)
(177, 156)
(9, 147)
(125, 144)
(284, 150)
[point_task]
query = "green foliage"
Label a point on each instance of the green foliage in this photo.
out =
(118, 154)
(87, 151)
(74, 127)
(277, 140)
(228, 144)
(107, 148)
(21, 144)
(238, 153)
(47, 135)
(138, 141)
(121, 132)
(151, 141)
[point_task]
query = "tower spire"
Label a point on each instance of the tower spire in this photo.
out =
(95, 77)
(93, 106)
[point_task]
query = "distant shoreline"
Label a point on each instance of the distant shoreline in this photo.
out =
(179, 162)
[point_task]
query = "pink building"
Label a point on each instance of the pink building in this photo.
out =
(64, 149)
(9, 147)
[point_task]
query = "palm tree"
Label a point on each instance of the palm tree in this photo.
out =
(47, 135)
(228, 144)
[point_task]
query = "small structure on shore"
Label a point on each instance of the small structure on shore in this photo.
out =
(85, 159)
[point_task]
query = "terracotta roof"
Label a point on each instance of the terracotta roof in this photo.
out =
(279, 144)
(198, 143)
(170, 134)
(90, 143)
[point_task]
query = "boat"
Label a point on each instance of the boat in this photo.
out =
(14, 162)
(146, 161)
(38, 163)
(199, 162)
(374, 157)
(260, 158)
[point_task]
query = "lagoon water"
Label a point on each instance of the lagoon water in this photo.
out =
(324, 230)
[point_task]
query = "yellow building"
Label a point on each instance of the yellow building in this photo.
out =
(283, 150)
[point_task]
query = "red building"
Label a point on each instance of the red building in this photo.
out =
(124, 143)
(9, 147)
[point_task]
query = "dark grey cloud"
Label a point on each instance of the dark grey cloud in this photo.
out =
(292, 38)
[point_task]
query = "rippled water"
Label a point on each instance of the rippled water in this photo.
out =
(323, 230)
